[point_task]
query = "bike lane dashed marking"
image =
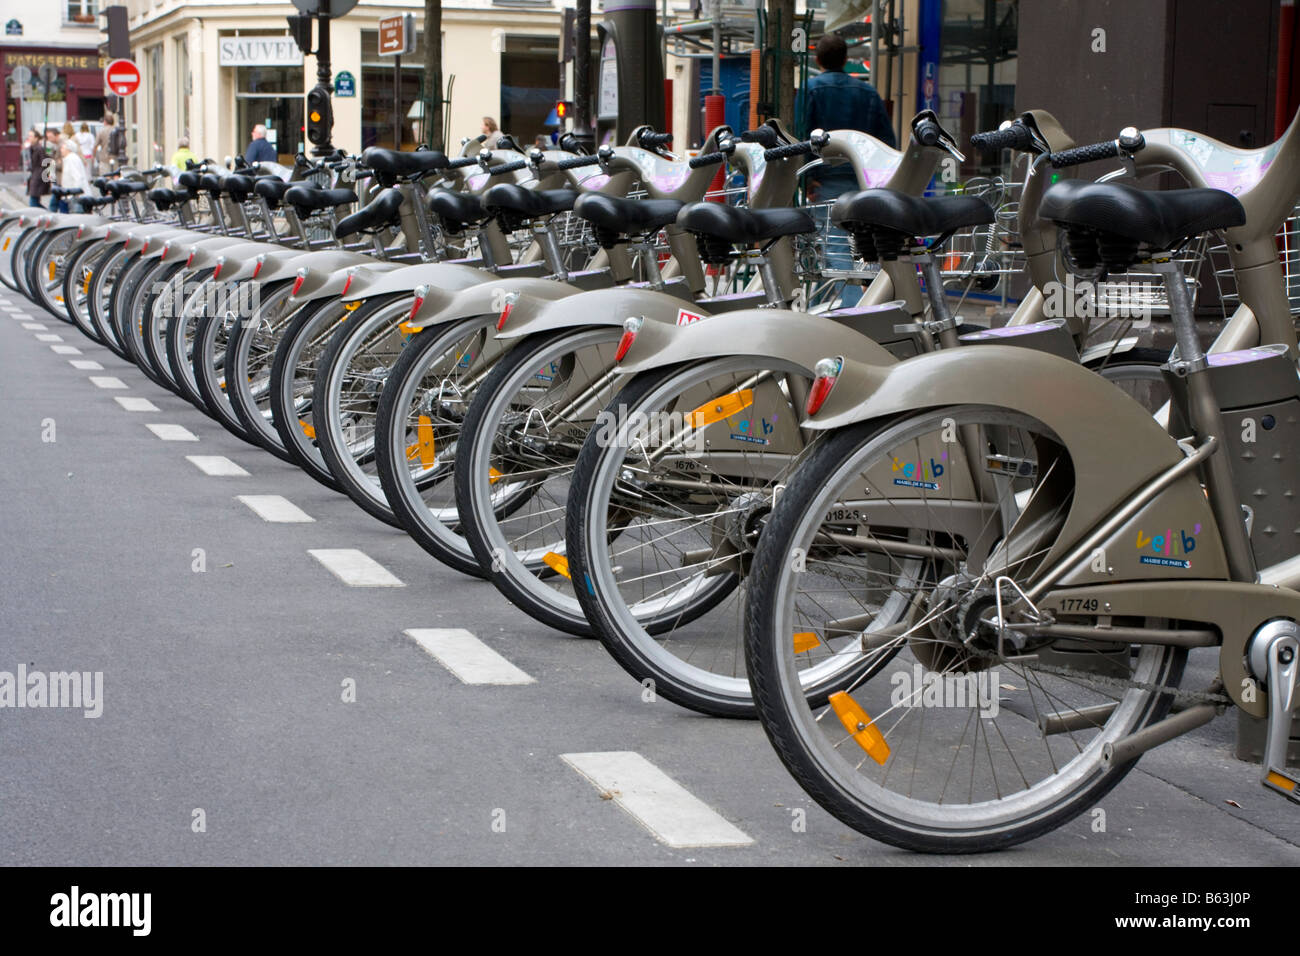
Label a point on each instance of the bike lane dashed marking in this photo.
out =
(65, 350)
(134, 403)
(85, 365)
(659, 803)
(35, 326)
(172, 432)
(274, 508)
(355, 568)
(218, 465)
(469, 659)
(107, 381)
(49, 337)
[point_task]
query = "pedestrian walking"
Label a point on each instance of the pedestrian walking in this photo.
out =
(835, 100)
(259, 150)
(86, 146)
(74, 174)
(35, 161)
(183, 154)
(492, 133)
(104, 146)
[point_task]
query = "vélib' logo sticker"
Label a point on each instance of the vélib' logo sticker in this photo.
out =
(918, 474)
(1170, 549)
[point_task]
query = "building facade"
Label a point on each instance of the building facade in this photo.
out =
(65, 35)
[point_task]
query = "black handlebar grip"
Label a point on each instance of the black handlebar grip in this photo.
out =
(508, 167)
(462, 163)
(650, 138)
(927, 133)
(1016, 136)
(1085, 154)
(705, 159)
(764, 136)
(790, 149)
(573, 162)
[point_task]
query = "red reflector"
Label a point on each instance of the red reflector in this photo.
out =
(827, 372)
(624, 344)
(415, 307)
(145, 248)
(505, 315)
(258, 267)
(347, 285)
(190, 261)
(216, 272)
(297, 284)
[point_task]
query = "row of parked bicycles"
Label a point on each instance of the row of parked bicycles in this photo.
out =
(956, 571)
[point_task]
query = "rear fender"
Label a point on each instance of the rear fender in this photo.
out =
(760, 333)
(597, 307)
(324, 273)
(179, 249)
(206, 257)
(487, 298)
(441, 278)
(1116, 446)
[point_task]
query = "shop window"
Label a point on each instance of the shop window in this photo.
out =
(529, 85)
(82, 12)
(379, 115)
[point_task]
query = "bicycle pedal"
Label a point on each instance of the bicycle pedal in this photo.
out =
(1282, 782)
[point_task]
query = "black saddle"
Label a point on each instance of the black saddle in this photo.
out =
(883, 221)
(378, 212)
(391, 164)
(271, 188)
(238, 186)
(456, 210)
(516, 205)
(718, 226)
(94, 202)
(189, 179)
(613, 218)
(164, 199)
(307, 199)
(121, 187)
(210, 183)
(1105, 223)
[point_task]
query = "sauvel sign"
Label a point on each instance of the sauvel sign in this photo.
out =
(258, 51)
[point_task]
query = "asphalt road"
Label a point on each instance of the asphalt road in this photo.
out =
(224, 689)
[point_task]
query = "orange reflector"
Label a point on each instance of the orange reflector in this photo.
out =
(557, 563)
(51, 271)
(352, 306)
(307, 430)
(859, 725)
(7, 241)
(805, 641)
(424, 442)
(85, 286)
(406, 328)
(493, 475)
(1277, 780)
(719, 408)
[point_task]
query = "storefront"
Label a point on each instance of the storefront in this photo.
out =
(77, 94)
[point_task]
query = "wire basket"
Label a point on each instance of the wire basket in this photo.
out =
(1288, 254)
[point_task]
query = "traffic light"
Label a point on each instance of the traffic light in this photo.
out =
(300, 30)
(562, 109)
(320, 116)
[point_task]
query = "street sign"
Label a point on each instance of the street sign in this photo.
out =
(397, 35)
(48, 74)
(122, 77)
(332, 8)
(13, 29)
(21, 76)
(345, 84)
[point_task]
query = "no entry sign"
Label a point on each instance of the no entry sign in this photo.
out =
(122, 77)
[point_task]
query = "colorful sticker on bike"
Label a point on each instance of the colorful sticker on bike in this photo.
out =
(1169, 549)
(686, 317)
(918, 474)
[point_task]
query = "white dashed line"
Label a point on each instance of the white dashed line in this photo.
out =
(49, 337)
(275, 508)
(173, 432)
(86, 365)
(656, 800)
(218, 465)
(467, 657)
(133, 403)
(65, 350)
(35, 326)
(355, 568)
(107, 381)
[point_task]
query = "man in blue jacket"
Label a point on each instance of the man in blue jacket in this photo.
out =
(259, 150)
(835, 100)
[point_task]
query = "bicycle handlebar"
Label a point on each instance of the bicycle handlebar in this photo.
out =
(789, 149)
(573, 162)
(508, 167)
(706, 159)
(1085, 154)
(1016, 136)
(649, 139)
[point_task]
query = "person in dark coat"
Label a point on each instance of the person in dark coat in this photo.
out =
(36, 161)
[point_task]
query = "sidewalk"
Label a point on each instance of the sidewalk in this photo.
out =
(13, 189)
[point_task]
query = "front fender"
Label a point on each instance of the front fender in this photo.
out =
(325, 272)
(595, 307)
(1116, 446)
(760, 333)
(488, 298)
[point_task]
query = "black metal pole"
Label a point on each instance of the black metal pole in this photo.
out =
(582, 75)
(323, 72)
(397, 101)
